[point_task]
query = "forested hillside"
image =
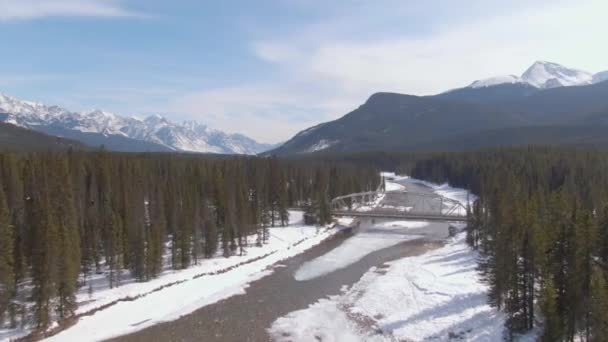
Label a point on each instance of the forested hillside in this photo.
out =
(14, 138)
(541, 226)
(66, 216)
(464, 119)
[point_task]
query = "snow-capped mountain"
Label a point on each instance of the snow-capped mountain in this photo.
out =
(545, 75)
(28, 110)
(189, 136)
(551, 75)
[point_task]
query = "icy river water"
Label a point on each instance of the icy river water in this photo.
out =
(247, 317)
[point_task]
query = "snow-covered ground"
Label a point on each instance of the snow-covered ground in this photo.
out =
(437, 296)
(392, 186)
(279, 238)
(370, 205)
(464, 197)
(176, 293)
(391, 179)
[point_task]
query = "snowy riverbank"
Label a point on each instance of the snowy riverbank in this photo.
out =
(137, 305)
(436, 296)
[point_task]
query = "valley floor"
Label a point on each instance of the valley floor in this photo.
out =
(437, 296)
(108, 312)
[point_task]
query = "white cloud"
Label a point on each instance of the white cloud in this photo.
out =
(31, 9)
(453, 56)
(329, 66)
(268, 113)
(335, 64)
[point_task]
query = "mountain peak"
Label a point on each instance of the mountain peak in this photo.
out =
(155, 118)
(9, 104)
(543, 74)
(100, 113)
(545, 63)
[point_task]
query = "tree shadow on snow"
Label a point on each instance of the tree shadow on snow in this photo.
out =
(467, 269)
(452, 307)
(483, 326)
(462, 258)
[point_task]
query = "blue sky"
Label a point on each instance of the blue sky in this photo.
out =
(268, 68)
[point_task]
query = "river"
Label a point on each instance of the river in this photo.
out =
(247, 317)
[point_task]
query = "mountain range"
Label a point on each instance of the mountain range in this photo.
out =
(548, 104)
(120, 133)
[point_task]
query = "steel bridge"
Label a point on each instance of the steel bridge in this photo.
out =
(401, 204)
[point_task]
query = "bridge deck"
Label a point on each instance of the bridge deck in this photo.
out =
(401, 215)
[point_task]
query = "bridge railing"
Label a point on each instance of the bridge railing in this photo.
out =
(409, 204)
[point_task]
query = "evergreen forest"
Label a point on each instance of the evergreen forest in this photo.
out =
(540, 224)
(65, 216)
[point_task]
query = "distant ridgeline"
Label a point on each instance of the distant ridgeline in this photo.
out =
(541, 226)
(464, 119)
(70, 214)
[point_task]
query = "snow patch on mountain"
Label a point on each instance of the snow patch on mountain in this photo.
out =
(321, 145)
(189, 136)
(600, 77)
(492, 81)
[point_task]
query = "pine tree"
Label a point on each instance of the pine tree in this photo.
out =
(210, 236)
(114, 253)
(599, 306)
(474, 224)
(603, 235)
(12, 175)
(157, 230)
(552, 322)
(91, 228)
(585, 251)
(321, 189)
(528, 251)
(229, 223)
(7, 240)
(46, 247)
(68, 239)
(243, 214)
(282, 200)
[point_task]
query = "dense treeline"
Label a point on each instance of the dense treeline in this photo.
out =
(66, 216)
(541, 226)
